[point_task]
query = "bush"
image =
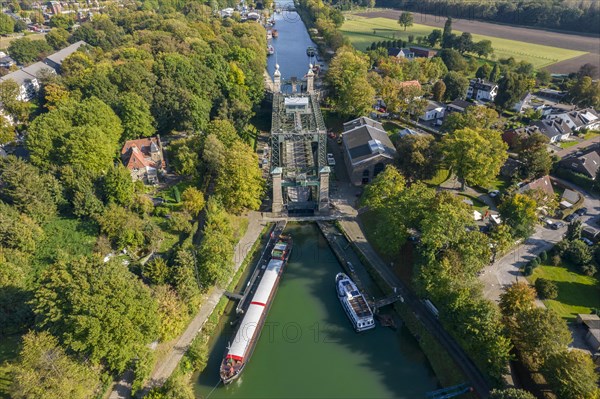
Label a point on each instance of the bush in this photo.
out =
(534, 263)
(176, 194)
(589, 269)
(161, 211)
(528, 270)
(546, 289)
(543, 256)
(556, 260)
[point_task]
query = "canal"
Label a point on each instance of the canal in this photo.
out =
(308, 348)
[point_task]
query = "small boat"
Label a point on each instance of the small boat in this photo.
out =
(354, 303)
(269, 34)
(270, 50)
(311, 51)
(386, 321)
(275, 33)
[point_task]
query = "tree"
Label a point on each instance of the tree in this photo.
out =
(135, 116)
(475, 155)
(453, 59)
(516, 299)
(483, 72)
(33, 193)
(585, 92)
(464, 43)
(538, 333)
(171, 312)
(571, 375)
(588, 69)
(473, 117)
(62, 21)
(26, 51)
(156, 270)
(386, 187)
(520, 213)
(7, 132)
(193, 201)
(7, 24)
(546, 289)
(533, 152)
(543, 77)
(578, 253)
(482, 48)
(185, 278)
(438, 90)
(418, 157)
(18, 231)
(97, 309)
(240, 182)
(352, 93)
(456, 86)
(434, 37)
(510, 393)
(511, 88)
(405, 19)
(118, 186)
(447, 34)
(45, 371)
(574, 231)
(495, 74)
(18, 110)
(57, 38)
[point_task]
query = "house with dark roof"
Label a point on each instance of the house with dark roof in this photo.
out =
(482, 90)
(423, 52)
(55, 60)
(366, 149)
(555, 129)
(144, 159)
(458, 106)
(591, 322)
(511, 168)
(586, 164)
(578, 119)
(400, 53)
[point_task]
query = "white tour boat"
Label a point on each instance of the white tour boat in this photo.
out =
(354, 303)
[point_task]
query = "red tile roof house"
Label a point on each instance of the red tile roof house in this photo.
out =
(144, 159)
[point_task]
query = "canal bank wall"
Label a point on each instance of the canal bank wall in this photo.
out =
(450, 363)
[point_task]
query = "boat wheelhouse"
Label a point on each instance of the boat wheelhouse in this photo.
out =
(354, 303)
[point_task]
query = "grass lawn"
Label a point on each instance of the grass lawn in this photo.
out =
(567, 144)
(499, 183)
(478, 205)
(591, 135)
(577, 293)
(363, 31)
(5, 41)
(441, 176)
(68, 235)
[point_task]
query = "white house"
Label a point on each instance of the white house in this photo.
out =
(482, 90)
(433, 111)
(580, 119)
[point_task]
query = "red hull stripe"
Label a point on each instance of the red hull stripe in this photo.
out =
(234, 357)
(258, 303)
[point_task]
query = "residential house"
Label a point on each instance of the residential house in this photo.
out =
(553, 95)
(523, 103)
(423, 52)
(28, 84)
(482, 90)
(400, 53)
(407, 132)
(6, 61)
(144, 159)
(433, 111)
(458, 106)
(586, 164)
(543, 183)
(555, 129)
(411, 83)
(578, 119)
(569, 198)
(366, 148)
(511, 168)
(55, 60)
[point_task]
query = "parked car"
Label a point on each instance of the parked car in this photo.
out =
(330, 159)
(494, 193)
(572, 217)
(581, 211)
(587, 241)
(557, 225)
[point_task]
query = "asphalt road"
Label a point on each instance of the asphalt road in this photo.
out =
(506, 271)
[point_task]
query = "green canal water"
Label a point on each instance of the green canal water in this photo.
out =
(308, 348)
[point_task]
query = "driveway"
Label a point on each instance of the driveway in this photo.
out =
(505, 271)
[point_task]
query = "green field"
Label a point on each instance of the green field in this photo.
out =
(363, 31)
(576, 293)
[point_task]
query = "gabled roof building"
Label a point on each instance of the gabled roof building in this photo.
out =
(144, 159)
(367, 149)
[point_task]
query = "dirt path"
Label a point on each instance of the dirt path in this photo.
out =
(529, 35)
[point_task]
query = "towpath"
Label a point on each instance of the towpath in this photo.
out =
(167, 365)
